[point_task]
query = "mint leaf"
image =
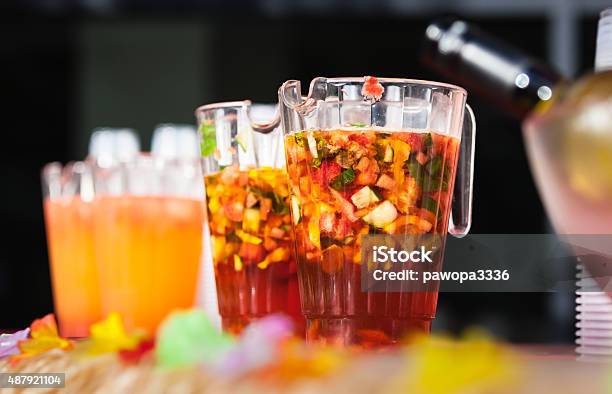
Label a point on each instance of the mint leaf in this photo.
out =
(345, 178)
(278, 205)
(434, 166)
(240, 139)
(415, 169)
(232, 237)
(428, 141)
(430, 204)
(432, 184)
(208, 135)
(299, 139)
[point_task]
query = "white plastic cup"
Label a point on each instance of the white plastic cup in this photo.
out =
(603, 52)
(108, 145)
(175, 141)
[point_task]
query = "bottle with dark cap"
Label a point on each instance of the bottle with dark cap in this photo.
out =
(489, 67)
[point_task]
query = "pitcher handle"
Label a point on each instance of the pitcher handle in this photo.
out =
(266, 127)
(460, 219)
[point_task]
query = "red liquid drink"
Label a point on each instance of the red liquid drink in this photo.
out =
(355, 181)
(253, 255)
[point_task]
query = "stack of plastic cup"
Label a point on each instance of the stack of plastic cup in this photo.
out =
(594, 317)
(603, 53)
(109, 145)
(175, 141)
(594, 294)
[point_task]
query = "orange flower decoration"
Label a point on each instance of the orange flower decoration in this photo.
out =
(43, 337)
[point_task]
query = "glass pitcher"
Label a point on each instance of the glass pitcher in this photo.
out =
(248, 215)
(367, 156)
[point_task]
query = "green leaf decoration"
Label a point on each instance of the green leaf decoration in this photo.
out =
(208, 135)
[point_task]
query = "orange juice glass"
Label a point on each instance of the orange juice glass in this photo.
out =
(148, 221)
(68, 194)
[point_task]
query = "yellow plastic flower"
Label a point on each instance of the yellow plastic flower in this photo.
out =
(441, 365)
(109, 336)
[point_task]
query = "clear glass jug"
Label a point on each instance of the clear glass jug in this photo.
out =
(248, 215)
(367, 156)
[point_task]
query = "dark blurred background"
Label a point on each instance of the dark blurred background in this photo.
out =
(67, 66)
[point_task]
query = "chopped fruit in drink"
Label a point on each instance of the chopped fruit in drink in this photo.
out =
(345, 207)
(314, 233)
(218, 244)
(342, 229)
(279, 254)
(421, 158)
(265, 205)
(362, 138)
(361, 212)
(233, 210)
(364, 197)
(270, 244)
(328, 171)
(388, 158)
(238, 263)
(368, 171)
(251, 253)
(305, 185)
(214, 206)
(408, 224)
(248, 238)
(385, 182)
(382, 215)
(326, 222)
(251, 200)
(312, 146)
(277, 233)
(251, 221)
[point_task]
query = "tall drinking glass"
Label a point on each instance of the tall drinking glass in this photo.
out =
(68, 205)
(371, 157)
(248, 216)
(148, 220)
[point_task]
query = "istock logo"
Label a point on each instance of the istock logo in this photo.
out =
(384, 254)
